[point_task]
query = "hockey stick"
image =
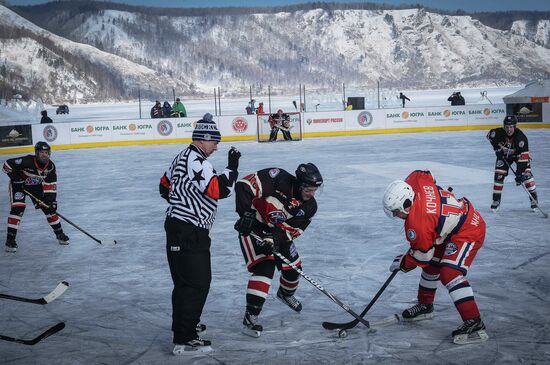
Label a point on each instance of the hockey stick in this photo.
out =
(40, 202)
(527, 191)
(50, 331)
(317, 285)
(351, 324)
(56, 293)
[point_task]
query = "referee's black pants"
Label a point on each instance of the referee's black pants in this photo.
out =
(188, 252)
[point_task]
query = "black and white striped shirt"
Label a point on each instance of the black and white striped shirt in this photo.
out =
(195, 188)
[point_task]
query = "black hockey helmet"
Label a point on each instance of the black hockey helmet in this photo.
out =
(42, 146)
(307, 174)
(510, 120)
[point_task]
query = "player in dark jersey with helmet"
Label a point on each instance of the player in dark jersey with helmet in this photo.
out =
(274, 208)
(279, 121)
(37, 176)
(511, 146)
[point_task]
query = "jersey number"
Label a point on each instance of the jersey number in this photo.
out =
(452, 206)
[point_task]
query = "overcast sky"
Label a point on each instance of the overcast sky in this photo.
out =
(467, 5)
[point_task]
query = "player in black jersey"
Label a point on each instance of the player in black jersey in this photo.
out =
(274, 208)
(511, 146)
(36, 175)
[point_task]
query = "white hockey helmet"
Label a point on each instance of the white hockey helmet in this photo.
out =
(396, 196)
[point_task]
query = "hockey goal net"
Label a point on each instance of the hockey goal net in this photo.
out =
(289, 127)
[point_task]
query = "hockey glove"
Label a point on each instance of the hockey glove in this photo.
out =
(279, 238)
(265, 245)
(245, 224)
(233, 159)
(398, 264)
(164, 188)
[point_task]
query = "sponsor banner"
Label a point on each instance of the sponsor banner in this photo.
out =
(16, 135)
(365, 119)
(324, 122)
(486, 114)
(450, 115)
(128, 130)
(526, 113)
(183, 127)
(165, 128)
(240, 125)
(53, 133)
(86, 132)
(406, 118)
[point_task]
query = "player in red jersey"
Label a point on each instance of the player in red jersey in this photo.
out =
(445, 234)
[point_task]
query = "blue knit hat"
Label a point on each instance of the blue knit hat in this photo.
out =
(206, 130)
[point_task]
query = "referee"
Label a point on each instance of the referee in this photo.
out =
(192, 189)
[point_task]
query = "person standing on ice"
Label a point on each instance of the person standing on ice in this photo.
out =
(274, 208)
(192, 188)
(511, 145)
(36, 175)
(445, 234)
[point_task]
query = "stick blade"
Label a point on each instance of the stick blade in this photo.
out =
(109, 242)
(51, 331)
(59, 290)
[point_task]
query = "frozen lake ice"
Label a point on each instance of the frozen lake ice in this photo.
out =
(118, 310)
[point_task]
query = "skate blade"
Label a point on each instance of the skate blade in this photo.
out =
(190, 350)
(475, 337)
(250, 332)
(421, 317)
(63, 243)
(11, 249)
(494, 210)
(395, 318)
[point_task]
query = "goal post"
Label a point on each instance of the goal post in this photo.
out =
(292, 125)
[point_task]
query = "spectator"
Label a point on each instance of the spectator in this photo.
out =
(156, 110)
(252, 106)
(166, 110)
(349, 106)
(260, 109)
(403, 97)
(178, 109)
(45, 118)
(456, 99)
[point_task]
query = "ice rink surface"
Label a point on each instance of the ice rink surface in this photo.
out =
(118, 311)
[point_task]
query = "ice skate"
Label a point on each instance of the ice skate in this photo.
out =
(192, 347)
(418, 312)
(62, 238)
(495, 205)
(251, 327)
(471, 331)
(289, 300)
(534, 205)
(11, 245)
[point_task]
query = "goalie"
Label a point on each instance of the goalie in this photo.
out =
(279, 121)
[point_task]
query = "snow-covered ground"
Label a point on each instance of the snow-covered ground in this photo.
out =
(315, 101)
(117, 308)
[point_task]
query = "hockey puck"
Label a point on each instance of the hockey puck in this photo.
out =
(342, 333)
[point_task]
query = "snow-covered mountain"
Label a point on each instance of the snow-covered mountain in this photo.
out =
(319, 47)
(40, 64)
